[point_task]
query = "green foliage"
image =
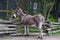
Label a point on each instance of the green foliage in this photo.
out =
(56, 34)
(1, 19)
(47, 8)
(8, 16)
(52, 18)
(50, 4)
(18, 18)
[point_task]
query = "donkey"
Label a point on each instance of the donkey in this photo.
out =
(29, 20)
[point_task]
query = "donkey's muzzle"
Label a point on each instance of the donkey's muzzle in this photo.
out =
(13, 17)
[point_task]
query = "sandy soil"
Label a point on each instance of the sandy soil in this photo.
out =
(30, 38)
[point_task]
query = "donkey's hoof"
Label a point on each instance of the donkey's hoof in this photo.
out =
(40, 37)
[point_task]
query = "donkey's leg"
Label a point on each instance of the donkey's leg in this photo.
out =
(25, 30)
(40, 30)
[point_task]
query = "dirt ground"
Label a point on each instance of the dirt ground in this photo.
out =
(30, 38)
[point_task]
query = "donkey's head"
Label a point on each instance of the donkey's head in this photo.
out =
(18, 12)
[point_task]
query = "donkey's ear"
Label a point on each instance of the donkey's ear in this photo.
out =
(18, 8)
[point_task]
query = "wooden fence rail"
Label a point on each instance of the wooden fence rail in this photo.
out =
(6, 24)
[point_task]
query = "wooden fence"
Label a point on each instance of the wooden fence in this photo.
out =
(8, 26)
(55, 27)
